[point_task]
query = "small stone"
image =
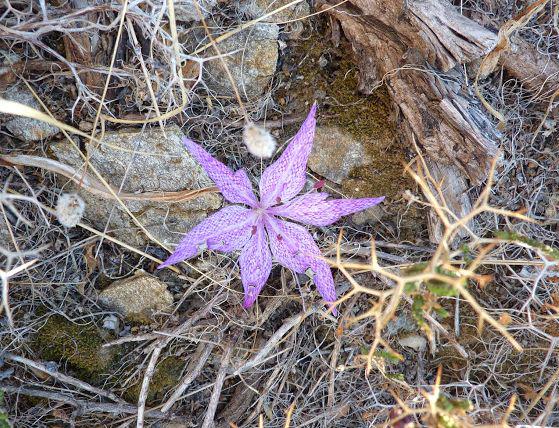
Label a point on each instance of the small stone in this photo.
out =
(402, 323)
(335, 153)
(369, 216)
(22, 127)
(110, 323)
(141, 295)
(253, 64)
(414, 341)
(187, 12)
(85, 126)
(5, 237)
(257, 8)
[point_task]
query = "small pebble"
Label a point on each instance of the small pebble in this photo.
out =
(110, 323)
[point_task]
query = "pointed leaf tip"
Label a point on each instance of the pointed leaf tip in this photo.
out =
(234, 186)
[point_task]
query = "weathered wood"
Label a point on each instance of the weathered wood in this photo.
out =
(80, 49)
(415, 51)
(538, 73)
(409, 49)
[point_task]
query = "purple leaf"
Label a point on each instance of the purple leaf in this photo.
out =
(324, 280)
(286, 176)
(350, 206)
(226, 230)
(291, 244)
(313, 208)
(256, 264)
(293, 247)
(257, 230)
(234, 186)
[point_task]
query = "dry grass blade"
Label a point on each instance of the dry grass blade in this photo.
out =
(198, 361)
(91, 184)
(4, 277)
(218, 385)
(63, 378)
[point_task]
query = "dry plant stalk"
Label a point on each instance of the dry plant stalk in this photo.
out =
(442, 267)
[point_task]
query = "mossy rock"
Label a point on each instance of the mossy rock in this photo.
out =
(166, 376)
(77, 346)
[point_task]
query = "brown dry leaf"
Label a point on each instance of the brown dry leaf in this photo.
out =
(341, 327)
(190, 72)
(90, 260)
(483, 280)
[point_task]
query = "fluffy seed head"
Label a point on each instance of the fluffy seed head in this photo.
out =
(259, 141)
(69, 209)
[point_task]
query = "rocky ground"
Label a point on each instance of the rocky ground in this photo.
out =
(453, 330)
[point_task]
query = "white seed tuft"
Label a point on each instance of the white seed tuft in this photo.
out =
(259, 141)
(69, 209)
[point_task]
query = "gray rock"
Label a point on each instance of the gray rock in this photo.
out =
(186, 11)
(160, 163)
(402, 323)
(139, 295)
(22, 127)
(110, 323)
(257, 8)
(335, 153)
(253, 64)
(370, 215)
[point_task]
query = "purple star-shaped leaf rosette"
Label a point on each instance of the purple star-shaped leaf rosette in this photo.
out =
(259, 227)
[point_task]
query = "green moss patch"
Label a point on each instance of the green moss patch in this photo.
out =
(77, 346)
(166, 376)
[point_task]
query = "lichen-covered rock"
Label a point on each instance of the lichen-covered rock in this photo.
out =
(148, 161)
(258, 8)
(336, 153)
(164, 378)
(186, 11)
(253, 64)
(22, 127)
(137, 297)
